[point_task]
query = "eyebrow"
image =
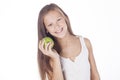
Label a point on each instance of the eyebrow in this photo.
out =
(60, 16)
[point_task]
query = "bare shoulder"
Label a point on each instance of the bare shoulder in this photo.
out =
(94, 71)
(87, 42)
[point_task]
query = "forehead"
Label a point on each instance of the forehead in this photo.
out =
(51, 15)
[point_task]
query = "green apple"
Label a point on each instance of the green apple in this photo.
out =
(47, 40)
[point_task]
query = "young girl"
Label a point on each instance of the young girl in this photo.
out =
(71, 58)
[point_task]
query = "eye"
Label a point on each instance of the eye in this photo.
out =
(59, 19)
(49, 25)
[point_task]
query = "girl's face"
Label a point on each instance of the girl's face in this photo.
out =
(55, 24)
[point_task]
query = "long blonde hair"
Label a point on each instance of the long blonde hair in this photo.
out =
(43, 61)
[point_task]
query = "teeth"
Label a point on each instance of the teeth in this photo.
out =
(59, 31)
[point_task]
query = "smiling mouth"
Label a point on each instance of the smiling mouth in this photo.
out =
(59, 31)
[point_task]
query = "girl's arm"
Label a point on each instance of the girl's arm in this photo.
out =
(54, 61)
(94, 71)
(57, 71)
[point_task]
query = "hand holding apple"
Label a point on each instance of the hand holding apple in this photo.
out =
(48, 40)
(46, 46)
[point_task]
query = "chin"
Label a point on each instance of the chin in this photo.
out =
(60, 36)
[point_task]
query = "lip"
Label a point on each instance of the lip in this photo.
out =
(59, 31)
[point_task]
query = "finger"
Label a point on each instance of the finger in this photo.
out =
(40, 44)
(50, 46)
(47, 46)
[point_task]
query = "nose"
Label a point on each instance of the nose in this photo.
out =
(57, 26)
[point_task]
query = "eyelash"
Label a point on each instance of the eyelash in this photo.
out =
(59, 19)
(49, 25)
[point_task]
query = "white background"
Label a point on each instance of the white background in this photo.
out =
(98, 20)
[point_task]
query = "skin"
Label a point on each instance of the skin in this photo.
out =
(54, 23)
(56, 26)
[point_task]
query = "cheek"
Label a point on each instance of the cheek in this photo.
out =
(50, 30)
(62, 23)
(65, 25)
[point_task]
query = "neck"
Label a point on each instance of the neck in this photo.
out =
(64, 42)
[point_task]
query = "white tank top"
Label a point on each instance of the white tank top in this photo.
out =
(80, 68)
